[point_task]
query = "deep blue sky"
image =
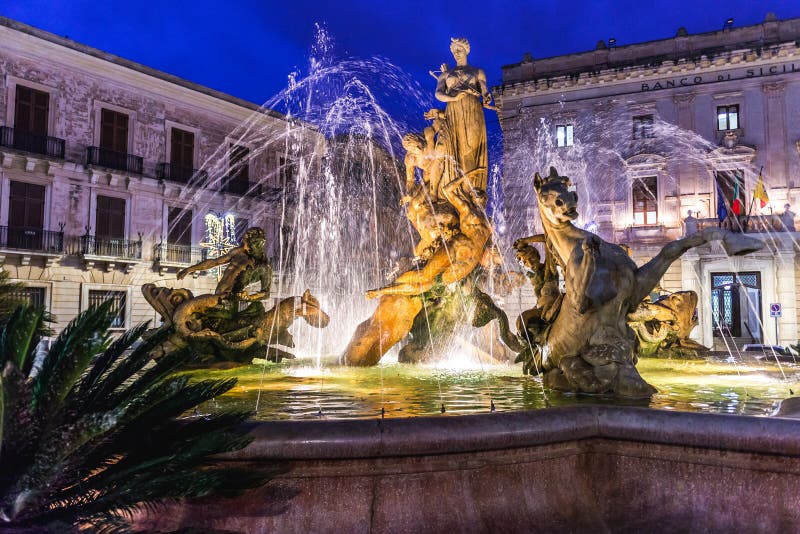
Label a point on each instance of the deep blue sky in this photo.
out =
(248, 47)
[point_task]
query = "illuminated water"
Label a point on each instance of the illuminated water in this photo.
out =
(297, 391)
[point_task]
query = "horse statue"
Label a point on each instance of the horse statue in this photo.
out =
(582, 341)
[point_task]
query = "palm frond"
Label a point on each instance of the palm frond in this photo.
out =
(100, 430)
(19, 337)
(82, 339)
(106, 360)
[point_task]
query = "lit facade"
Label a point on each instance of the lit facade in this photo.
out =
(109, 168)
(650, 131)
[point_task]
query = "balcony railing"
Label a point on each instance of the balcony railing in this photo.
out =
(31, 142)
(114, 160)
(165, 253)
(184, 175)
(111, 248)
(32, 239)
(242, 188)
(752, 224)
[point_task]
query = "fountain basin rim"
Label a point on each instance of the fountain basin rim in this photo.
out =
(376, 438)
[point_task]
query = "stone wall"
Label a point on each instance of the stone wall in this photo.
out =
(577, 469)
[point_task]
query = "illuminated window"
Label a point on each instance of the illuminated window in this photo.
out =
(564, 135)
(643, 127)
(727, 118)
(645, 207)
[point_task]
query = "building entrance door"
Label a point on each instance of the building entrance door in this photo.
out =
(736, 306)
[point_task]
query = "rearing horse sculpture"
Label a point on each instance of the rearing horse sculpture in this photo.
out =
(587, 345)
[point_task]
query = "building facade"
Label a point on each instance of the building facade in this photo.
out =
(109, 169)
(650, 132)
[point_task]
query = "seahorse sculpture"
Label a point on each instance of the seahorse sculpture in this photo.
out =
(583, 342)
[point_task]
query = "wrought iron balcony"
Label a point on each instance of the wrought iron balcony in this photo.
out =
(184, 175)
(32, 239)
(241, 188)
(31, 142)
(114, 160)
(751, 224)
(169, 254)
(111, 248)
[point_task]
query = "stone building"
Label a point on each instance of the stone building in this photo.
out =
(110, 168)
(650, 131)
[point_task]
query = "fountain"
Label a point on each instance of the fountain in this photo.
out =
(389, 472)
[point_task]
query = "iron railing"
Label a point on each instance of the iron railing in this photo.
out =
(178, 254)
(184, 175)
(33, 239)
(31, 142)
(114, 160)
(110, 247)
(751, 224)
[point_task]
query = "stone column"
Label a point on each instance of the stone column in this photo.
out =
(775, 160)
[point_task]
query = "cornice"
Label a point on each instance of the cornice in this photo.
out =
(132, 76)
(683, 67)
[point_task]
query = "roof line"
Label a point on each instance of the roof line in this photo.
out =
(144, 69)
(592, 50)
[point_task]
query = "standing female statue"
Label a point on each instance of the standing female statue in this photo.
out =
(463, 89)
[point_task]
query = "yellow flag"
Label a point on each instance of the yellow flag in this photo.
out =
(760, 192)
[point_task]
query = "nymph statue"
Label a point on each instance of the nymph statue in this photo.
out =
(463, 88)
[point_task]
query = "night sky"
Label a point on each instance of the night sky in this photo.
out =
(248, 47)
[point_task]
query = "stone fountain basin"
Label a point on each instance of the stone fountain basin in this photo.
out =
(580, 468)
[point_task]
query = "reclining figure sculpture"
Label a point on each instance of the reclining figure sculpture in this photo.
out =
(218, 325)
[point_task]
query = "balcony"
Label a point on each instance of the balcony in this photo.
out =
(166, 256)
(120, 161)
(29, 242)
(31, 142)
(110, 251)
(753, 224)
(184, 175)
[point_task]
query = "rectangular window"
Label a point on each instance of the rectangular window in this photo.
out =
(32, 296)
(181, 156)
(25, 216)
(643, 127)
(239, 164)
(119, 299)
(31, 110)
(179, 227)
(727, 118)
(645, 205)
(564, 135)
(26, 206)
(114, 131)
(109, 220)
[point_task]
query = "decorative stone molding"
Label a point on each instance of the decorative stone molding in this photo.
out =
(737, 154)
(726, 60)
(645, 163)
(774, 88)
(683, 99)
